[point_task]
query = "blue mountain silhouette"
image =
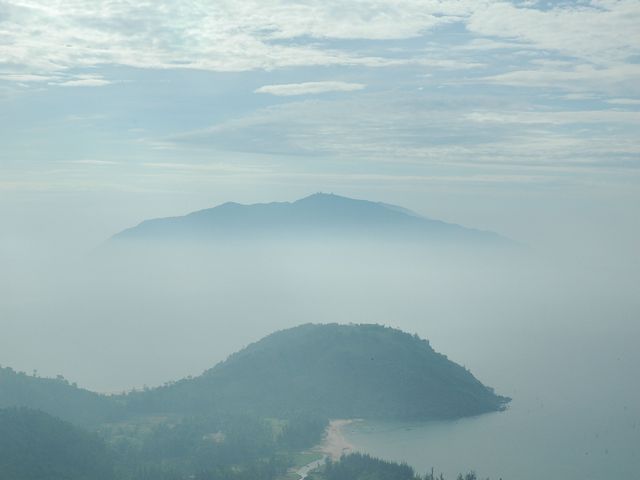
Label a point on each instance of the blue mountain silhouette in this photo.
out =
(318, 216)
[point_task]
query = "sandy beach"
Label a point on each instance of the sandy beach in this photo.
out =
(335, 444)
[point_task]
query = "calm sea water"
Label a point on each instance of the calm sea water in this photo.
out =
(575, 412)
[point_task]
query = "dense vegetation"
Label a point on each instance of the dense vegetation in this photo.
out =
(364, 467)
(327, 371)
(37, 446)
(335, 371)
(209, 447)
(57, 397)
(244, 419)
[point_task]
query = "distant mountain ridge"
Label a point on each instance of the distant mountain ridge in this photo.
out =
(317, 216)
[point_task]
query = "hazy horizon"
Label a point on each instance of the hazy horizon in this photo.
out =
(518, 117)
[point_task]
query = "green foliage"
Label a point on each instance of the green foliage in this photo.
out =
(311, 371)
(37, 446)
(335, 371)
(363, 467)
(246, 418)
(55, 396)
(302, 432)
(211, 447)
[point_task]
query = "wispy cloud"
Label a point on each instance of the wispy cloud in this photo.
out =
(225, 36)
(25, 77)
(214, 168)
(493, 84)
(43, 38)
(428, 131)
(93, 162)
(308, 88)
(624, 101)
(558, 117)
(574, 77)
(84, 81)
(599, 31)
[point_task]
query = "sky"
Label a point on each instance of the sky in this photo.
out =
(521, 117)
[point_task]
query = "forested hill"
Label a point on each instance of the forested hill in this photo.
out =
(332, 371)
(55, 396)
(37, 446)
(339, 371)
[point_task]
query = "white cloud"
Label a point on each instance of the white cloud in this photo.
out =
(601, 31)
(586, 50)
(575, 77)
(213, 168)
(93, 162)
(624, 101)
(407, 130)
(309, 88)
(84, 81)
(226, 35)
(573, 46)
(47, 38)
(557, 117)
(25, 77)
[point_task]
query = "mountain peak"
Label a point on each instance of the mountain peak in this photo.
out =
(316, 217)
(322, 196)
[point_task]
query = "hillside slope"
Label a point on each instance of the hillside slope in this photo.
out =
(37, 446)
(339, 371)
(54, 396)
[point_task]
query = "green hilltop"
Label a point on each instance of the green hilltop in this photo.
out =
(330, 370)
(247, 418)
(337, 371)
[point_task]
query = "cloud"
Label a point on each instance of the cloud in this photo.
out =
(84, 81)
(224, 36)
(624, 101)
(25, 77)
(618, 78)
(598, 39)
(493, 77)
(558, 117)
(600, 31)
(309, 88)
(571, 46)
(412, 131)
(214, 168)
(93, 162)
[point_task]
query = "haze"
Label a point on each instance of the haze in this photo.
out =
(520, 118)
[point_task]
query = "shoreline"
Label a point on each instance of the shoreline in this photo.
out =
(333, 446)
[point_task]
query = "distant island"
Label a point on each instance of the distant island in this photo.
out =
(319, 216)
(254, 416)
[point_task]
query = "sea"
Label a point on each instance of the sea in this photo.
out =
(574, 379)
